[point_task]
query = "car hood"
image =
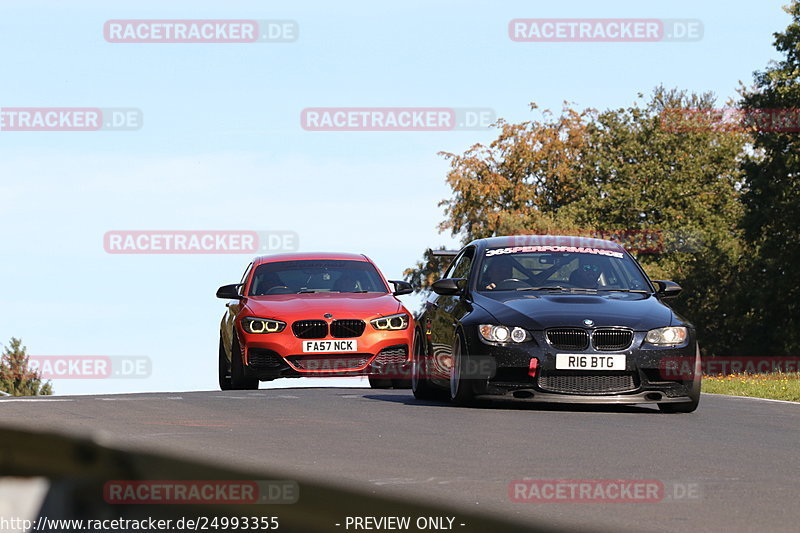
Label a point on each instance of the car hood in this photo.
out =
(315, 305)
(640, 312)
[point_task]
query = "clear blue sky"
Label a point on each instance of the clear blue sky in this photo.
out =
(222, 147)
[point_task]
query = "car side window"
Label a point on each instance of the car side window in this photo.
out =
(449, 270)
(463, 264)
(244, 278)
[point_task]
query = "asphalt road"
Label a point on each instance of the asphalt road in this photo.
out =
(733, 465)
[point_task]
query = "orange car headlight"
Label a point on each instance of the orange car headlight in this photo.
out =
(391, 322)
(262, 325)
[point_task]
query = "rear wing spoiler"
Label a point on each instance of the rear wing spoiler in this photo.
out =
(444, 253)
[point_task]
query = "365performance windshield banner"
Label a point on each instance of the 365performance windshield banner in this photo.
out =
(556, 249)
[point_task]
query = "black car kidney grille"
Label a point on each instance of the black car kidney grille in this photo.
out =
(611, 339)
(604, 383)
(568, 338)
(310, 329)
(343, 329)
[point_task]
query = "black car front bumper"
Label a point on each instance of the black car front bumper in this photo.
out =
(647, 377)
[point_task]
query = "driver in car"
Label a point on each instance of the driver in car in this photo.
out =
(588, 273)
(498, 269)
(267, 283)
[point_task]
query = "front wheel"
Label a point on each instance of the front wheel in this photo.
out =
(239, 381)
(420, 384)
(694, 392)
(224, 369)
(462, 391)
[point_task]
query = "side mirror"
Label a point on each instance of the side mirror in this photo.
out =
(229, 292)
(667, 289)
(401, 287)
(447, 286)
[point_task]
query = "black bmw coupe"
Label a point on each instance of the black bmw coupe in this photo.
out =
(554, 319)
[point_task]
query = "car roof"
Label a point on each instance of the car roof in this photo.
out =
(546, 240)
(299, 256)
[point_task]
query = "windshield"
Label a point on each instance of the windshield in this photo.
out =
(560, 271)
(310, 276)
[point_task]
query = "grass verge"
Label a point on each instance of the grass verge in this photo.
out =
(777, 386)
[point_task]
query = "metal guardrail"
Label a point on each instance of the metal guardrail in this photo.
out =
(79, 468)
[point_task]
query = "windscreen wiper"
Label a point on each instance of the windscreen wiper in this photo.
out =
(637, 291)
(556, 288)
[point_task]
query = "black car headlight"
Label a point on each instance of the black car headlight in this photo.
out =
(391, 322)
(493, 333)
(262, 325)
(670, 336)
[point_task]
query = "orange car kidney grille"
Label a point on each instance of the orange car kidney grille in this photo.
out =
(342, 329)
(310, 329)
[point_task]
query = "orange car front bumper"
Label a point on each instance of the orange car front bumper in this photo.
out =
(374, 352)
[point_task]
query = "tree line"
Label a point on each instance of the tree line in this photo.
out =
(718, 187)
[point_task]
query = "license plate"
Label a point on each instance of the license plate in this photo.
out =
(568, 361)
(330, 346)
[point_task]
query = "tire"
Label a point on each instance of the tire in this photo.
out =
(421, 386)
(224, 370)
(694, 392)
(239, 381)
(401, 383)
(462, 391)
(380, 383)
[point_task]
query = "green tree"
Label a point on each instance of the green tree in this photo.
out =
(772, 203)
(586, 172)
(16, 376)
(682, 184)
(428, 270)
(520, 181)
